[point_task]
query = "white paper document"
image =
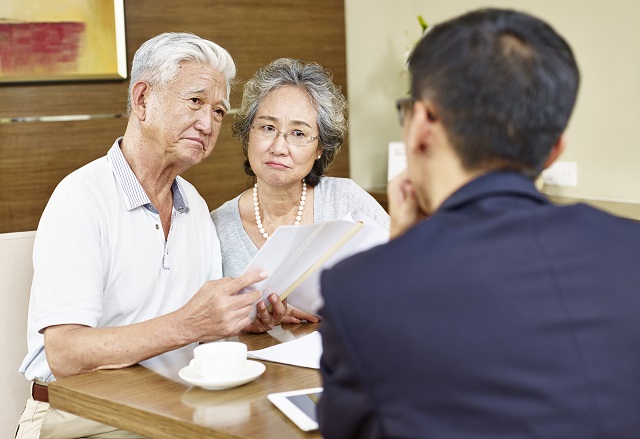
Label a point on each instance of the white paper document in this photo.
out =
(397, 161)
(304, 352)
(294, 257)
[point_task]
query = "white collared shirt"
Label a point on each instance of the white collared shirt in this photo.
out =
(101, 258)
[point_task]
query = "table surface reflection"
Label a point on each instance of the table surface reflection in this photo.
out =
(142, 401)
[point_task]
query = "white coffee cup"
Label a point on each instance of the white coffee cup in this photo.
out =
(219, 360)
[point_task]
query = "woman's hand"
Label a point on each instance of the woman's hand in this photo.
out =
(265, 319)
(294, 315)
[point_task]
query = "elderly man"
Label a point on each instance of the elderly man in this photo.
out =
(127, 261)
(501, 315)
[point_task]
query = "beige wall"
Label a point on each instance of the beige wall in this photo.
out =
(603, 133)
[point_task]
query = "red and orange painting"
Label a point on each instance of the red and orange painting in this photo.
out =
(44, 40)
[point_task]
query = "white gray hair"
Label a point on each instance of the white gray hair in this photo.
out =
(325, 96)
(157, 61)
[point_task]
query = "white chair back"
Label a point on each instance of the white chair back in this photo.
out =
(16, 274)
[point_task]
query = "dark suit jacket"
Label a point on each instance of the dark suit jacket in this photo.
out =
(502, 316)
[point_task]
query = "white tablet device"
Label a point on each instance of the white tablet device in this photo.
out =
(299, 406)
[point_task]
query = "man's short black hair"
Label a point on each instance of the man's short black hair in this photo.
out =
(503, 83)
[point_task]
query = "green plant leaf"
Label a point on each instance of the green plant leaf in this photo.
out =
(423, 23)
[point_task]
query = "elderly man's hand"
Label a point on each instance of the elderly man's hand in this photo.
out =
(217, 310)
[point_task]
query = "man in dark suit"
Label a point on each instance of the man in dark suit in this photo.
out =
(492, 313)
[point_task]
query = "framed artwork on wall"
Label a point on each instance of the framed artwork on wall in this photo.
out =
(62, 40)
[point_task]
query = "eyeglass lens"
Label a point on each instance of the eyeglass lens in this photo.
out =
(404, 107)
(293, 137)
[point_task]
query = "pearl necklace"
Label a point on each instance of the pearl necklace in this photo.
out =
(256, 208)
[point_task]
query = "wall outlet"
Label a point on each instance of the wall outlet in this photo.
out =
(561, 174)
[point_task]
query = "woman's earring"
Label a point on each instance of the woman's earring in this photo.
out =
(319, 155)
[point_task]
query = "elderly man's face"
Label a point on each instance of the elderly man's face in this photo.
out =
(184, 117)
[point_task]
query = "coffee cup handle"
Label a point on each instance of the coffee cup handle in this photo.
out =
(192, 364)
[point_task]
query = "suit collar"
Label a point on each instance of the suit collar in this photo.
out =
(494, 184)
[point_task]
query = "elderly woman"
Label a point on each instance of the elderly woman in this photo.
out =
(291, 125)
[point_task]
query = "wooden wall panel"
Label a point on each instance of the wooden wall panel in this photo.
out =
(34, 157)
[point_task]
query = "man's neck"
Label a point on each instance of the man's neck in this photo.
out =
(151, 171)
(155, 179)
(444, 179)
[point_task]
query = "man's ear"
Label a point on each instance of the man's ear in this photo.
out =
(421, 125)
(139, 95)
(557, 149)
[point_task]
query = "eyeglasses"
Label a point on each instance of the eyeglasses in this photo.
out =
(404, 107)
(293, 137)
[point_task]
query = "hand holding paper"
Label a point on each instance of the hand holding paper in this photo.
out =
(294, 256)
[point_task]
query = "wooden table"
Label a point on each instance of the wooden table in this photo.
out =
(142, 401)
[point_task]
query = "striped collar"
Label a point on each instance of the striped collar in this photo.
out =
(134, 194)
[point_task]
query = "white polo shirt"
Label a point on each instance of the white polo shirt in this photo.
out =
(100, 257)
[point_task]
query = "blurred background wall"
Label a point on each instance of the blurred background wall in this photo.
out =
(603, 132)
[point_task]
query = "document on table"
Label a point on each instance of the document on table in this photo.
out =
(304, 352)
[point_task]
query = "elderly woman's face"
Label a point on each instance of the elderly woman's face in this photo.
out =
(275, 160)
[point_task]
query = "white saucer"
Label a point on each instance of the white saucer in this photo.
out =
(252, 370)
